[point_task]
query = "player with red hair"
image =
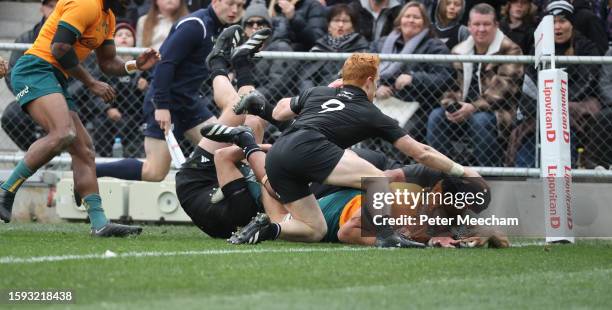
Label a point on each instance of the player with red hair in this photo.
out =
(313, 149)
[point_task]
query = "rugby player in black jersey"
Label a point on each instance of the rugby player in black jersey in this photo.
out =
(218, 196)
(341, 206)
(312, 149)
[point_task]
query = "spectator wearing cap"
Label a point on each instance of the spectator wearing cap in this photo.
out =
(303, 21)
(481, 106)
(376, 17)
(518, 22)
(153, 28)
(340, 38)
(583, 79)
(273, 77)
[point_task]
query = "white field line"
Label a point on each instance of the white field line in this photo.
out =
(57, 258)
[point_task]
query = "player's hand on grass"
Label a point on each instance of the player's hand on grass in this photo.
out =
(113, 114)
(384, 92)
(147, 59)
(462, 114)
(473, 242)
(499, 240)
(443, 242)
(102, 90)
(162, 117)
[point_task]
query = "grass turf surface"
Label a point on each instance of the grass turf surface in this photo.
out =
(216, 275)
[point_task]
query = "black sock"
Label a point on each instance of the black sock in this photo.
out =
(247, 142)
(244, 68)
(125, 169)
(241, 206)
(218, 66)
(271, 232)
(266, 114)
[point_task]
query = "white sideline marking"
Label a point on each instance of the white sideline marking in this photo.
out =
(42, 259)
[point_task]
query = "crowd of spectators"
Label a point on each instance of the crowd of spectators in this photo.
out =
(478, 113)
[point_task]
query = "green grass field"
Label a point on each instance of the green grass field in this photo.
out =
(176, 266)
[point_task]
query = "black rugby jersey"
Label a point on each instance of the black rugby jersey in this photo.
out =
(344, 115)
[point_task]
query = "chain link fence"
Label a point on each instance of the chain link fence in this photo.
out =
(479, 140)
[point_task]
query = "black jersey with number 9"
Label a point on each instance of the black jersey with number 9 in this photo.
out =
(344, 115)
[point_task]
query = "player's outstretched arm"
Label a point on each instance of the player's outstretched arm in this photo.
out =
(110, 64)
(350, 232)
(482, 236)
(428, 156)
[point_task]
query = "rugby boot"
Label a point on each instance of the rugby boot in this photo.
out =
(252, 103)
(396, 240)
(225, 44)
(253, 232)
(6, 204)
(252, 45)
(226, 134)
(116, 230)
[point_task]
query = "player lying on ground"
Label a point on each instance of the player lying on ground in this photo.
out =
(327, 121)
(328, 196)
(218, 196)
(341, 207)
(344, 222)
(72, 31)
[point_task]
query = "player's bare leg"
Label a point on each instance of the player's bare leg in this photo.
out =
(157, 161)
(86, 184)
(225, 97)
(52, 114)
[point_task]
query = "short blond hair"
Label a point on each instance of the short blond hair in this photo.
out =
(359, 67)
